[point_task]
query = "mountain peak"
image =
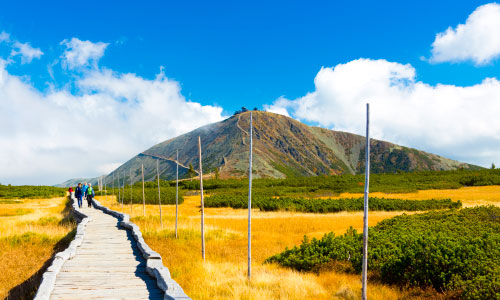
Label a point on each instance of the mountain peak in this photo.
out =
(283, 147)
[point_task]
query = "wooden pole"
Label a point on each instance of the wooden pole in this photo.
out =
(131, 205)
(143, 197)
(119, 189)
(250, 203)
(176, 191)
(365, 216)
(202, 204)
(123, 190)
(159, 197)
(113, 184)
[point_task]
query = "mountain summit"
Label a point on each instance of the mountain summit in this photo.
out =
(283, 147)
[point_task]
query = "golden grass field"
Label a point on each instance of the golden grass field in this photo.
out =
(223, 274)
(470, 196)
(30, 230)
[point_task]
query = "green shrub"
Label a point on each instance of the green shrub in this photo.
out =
(150, 192)
(453, 250)
(327, 205)
(30, 191)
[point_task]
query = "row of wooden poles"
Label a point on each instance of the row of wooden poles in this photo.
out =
(121, 190)
(249, 273)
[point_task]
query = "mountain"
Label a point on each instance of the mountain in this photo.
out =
(283, 147)
(74, 182)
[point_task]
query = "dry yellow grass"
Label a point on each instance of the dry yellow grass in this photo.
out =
(470, 196)
(27, 240)
(223, 274)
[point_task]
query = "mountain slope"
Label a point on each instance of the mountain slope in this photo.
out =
(283, 147)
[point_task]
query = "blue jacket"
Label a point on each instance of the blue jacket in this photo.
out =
(84, 190)
(78, 192)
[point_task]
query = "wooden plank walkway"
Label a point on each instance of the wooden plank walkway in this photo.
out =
(108, 265)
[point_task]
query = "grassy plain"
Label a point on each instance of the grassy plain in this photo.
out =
(470, 196)
(223, 275)
(31, 230)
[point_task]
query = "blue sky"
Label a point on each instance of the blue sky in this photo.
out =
(233, 53)
(316, 61)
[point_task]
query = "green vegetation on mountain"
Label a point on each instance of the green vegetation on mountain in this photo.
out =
(455, 251)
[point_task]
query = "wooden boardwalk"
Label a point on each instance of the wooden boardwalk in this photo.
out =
(108, 265)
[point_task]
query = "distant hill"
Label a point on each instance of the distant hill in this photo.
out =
(73, 182)
(283, 147)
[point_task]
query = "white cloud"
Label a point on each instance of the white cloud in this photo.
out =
(478, 40)
(27, 52)
(457, 122)
(52, 136)
(80, 53)
(279, 106)
(4, 36)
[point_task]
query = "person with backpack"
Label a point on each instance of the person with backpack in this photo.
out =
(90, 194)
(79, 194)
(84, 190)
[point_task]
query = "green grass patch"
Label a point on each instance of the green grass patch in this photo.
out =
(30, 191)
(150, 193)
(402, 182)
(328, 205)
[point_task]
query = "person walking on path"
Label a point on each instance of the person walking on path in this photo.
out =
(84, 190)
(70, 191)
(79, 194)
(90, 195)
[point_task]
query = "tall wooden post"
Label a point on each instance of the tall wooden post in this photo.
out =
(113, 184)
(143, 197)
(119, 189)
(159, 197)
(202, 204)
(131, 204)
(250, 203)
(365, 216)
(176, 191)
(123, 190)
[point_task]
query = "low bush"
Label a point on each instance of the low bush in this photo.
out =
(30, 191)
(150, 192)
(453, 251)
(327, 205)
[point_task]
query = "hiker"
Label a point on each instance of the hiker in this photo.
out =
(84, 190)
(90, 195)
(70, 191)
(79, 194)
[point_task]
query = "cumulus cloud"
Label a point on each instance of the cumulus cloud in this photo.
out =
(27, 52)
(454, 121)
(51, 136)
(80, 53)
(478, 40)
